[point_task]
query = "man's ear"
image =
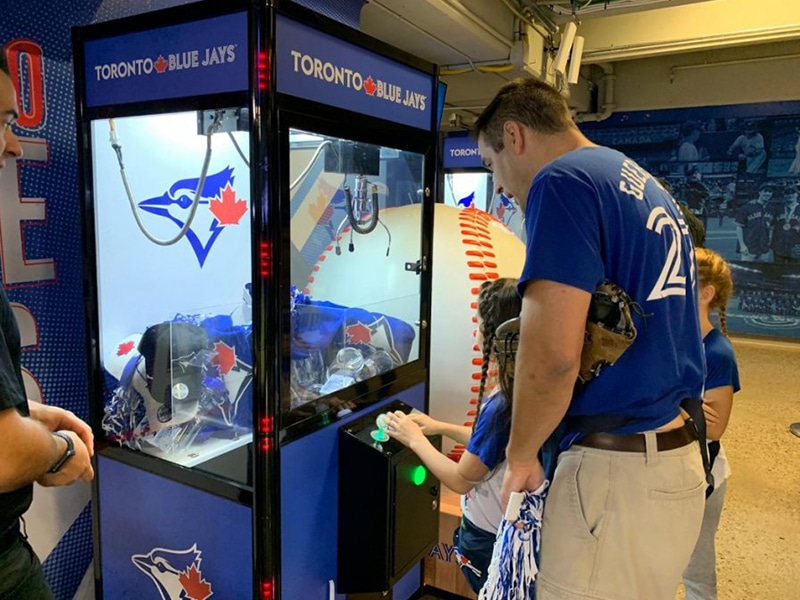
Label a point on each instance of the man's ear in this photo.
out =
(513, 136)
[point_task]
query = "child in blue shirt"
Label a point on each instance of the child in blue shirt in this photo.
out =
(478, 476)
(722, 381)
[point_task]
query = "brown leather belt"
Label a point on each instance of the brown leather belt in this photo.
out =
(666, 440)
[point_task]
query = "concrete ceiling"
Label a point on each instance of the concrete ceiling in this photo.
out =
(482, 44)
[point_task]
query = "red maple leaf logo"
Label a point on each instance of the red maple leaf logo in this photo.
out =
(194, 585)
(229, 210)
(370, 86)
(225, 358)
(358, 334)
(124, 348)
(160, 64)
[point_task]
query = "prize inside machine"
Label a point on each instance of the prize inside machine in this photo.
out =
(172, 236)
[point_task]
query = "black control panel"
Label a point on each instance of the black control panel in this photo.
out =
(388, 505)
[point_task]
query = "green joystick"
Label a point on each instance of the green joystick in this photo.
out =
(379, 434)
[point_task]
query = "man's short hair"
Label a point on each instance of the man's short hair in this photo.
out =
(528, 101)
(4, 62)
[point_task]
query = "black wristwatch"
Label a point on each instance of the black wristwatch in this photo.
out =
(68, 453)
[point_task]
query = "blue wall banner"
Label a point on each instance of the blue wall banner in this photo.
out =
(322, 68)
(191, 59)
(461, 152)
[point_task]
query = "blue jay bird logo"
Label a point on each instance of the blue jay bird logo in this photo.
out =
(217, 198)
(467, 201)
(175, 573)
(505, 206)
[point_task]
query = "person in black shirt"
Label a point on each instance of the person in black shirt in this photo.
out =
(40, 443)
(696, 195)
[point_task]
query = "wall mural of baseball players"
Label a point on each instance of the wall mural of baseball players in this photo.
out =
(738, 169)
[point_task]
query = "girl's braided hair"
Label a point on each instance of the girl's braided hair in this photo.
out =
(498, 301)
(714, 271)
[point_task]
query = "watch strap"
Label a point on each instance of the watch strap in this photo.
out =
(68, 453)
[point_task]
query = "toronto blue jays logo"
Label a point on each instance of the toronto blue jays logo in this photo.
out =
(175, 573)
(369, 335)
(505, 209)
(219, 207)
(238, 377)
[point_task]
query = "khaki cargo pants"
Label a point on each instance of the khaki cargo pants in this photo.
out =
(621, 525)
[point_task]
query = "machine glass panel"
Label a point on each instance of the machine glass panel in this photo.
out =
(173, 243)
(356, 222)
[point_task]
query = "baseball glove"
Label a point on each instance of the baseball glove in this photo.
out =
(609, 329)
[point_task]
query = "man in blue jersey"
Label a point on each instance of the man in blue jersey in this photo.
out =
(626, 502)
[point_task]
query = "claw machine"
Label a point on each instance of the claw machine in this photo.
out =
(257, 206)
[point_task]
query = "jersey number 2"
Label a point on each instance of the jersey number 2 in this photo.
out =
(671, 282)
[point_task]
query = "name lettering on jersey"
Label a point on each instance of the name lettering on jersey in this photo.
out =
(633, 179)
(758, 214)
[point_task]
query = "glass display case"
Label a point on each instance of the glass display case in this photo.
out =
(355, 291)
(173, 277)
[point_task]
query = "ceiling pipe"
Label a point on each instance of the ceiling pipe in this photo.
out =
(599, 8)
(673, 72)
(547, 29)
(608, 106)
(760, 35)
(539, 14)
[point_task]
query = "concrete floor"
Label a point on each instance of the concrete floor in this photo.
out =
(758, 543)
